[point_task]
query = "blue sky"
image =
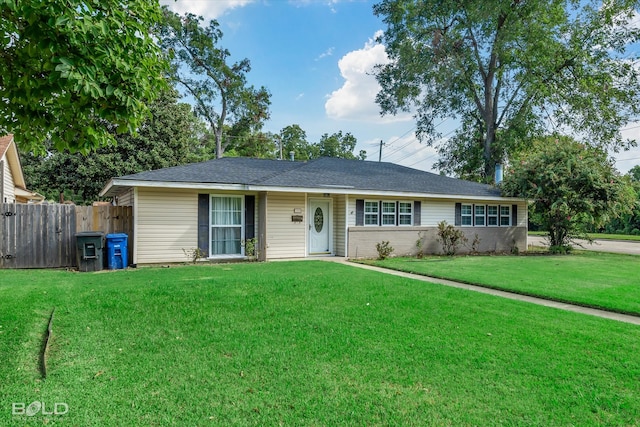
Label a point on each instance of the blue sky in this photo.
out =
(316, 58)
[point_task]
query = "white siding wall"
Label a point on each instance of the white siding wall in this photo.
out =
(339, 221)
(286, 239)
(9, 189)
(166, 223)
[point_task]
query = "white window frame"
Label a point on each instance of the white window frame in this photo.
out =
(405, 215)
(483, 215)
(389, 215)
(495, 216)
(466, 215)
(507, 216)
(372, 213)
(212, 225)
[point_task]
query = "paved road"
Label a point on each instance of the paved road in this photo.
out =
(617, 246)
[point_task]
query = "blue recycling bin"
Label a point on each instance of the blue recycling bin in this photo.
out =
(117, 251)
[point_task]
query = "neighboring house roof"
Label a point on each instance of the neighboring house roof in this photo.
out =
(8, 149)
(331, 175)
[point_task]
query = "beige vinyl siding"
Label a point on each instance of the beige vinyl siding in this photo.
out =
(166, 223)
(339, 221)
(523, 220)
(436, 211)
(126, 198)
(285, 238)
(9, 190)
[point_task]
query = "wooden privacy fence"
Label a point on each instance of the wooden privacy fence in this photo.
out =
(44, 236)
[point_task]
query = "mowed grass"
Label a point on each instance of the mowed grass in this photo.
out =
(304, 343)
(596, 279)
(601, 236)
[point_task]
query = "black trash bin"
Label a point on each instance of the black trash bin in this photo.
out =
(89, 249)
(117, 251)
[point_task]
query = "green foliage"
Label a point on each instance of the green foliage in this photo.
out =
(338, 145)
(294, 140)
(627, 223)
(506, 69)
(384, 249)
(69, 65)
(194, 254)
(573, 187)
(250, 247)
(170, 136)
(451, 238)
(420, 244)
(231, 107)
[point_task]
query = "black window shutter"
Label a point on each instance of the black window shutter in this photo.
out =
(458, 221)
(417, 206)
(249, 217)
(514, 215)
(359, 212)
(380, 212)
(203, 223)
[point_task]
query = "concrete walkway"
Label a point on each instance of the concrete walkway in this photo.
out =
(540, 301)
(616, 246)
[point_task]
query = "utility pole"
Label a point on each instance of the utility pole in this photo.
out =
(380, 155)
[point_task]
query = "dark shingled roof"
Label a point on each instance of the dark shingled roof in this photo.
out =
(325, 173)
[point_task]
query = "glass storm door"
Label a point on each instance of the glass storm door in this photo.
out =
(319, 227)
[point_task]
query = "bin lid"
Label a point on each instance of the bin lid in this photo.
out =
(90, 234)
(112, 236)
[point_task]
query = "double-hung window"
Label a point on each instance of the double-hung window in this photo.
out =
(371, 212)
(492, 215)
(405, 213)
(479, 215)
(466, 212)
(388, 213)
(505, 215)
(226, 225)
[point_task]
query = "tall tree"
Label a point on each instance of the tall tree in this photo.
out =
(294, 140)
(223, 98)
(508, 69)
(171, 136)
(573, 188)
(68, 65)
(338, 145)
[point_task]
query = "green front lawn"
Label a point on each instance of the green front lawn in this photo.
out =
(600, 236)
(596, 279)
(304, 343)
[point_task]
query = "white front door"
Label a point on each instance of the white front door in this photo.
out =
(319, 227)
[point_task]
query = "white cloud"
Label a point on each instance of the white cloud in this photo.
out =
(355, 100)
(326, 53)
(207, 8)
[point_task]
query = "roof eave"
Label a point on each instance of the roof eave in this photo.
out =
(115, 186)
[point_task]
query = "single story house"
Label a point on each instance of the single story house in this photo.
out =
(13, 188)
(295, 209)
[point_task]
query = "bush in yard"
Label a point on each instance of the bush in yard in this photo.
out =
(420, 244)
(573, 188)
(384, 249)
(450, 238)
